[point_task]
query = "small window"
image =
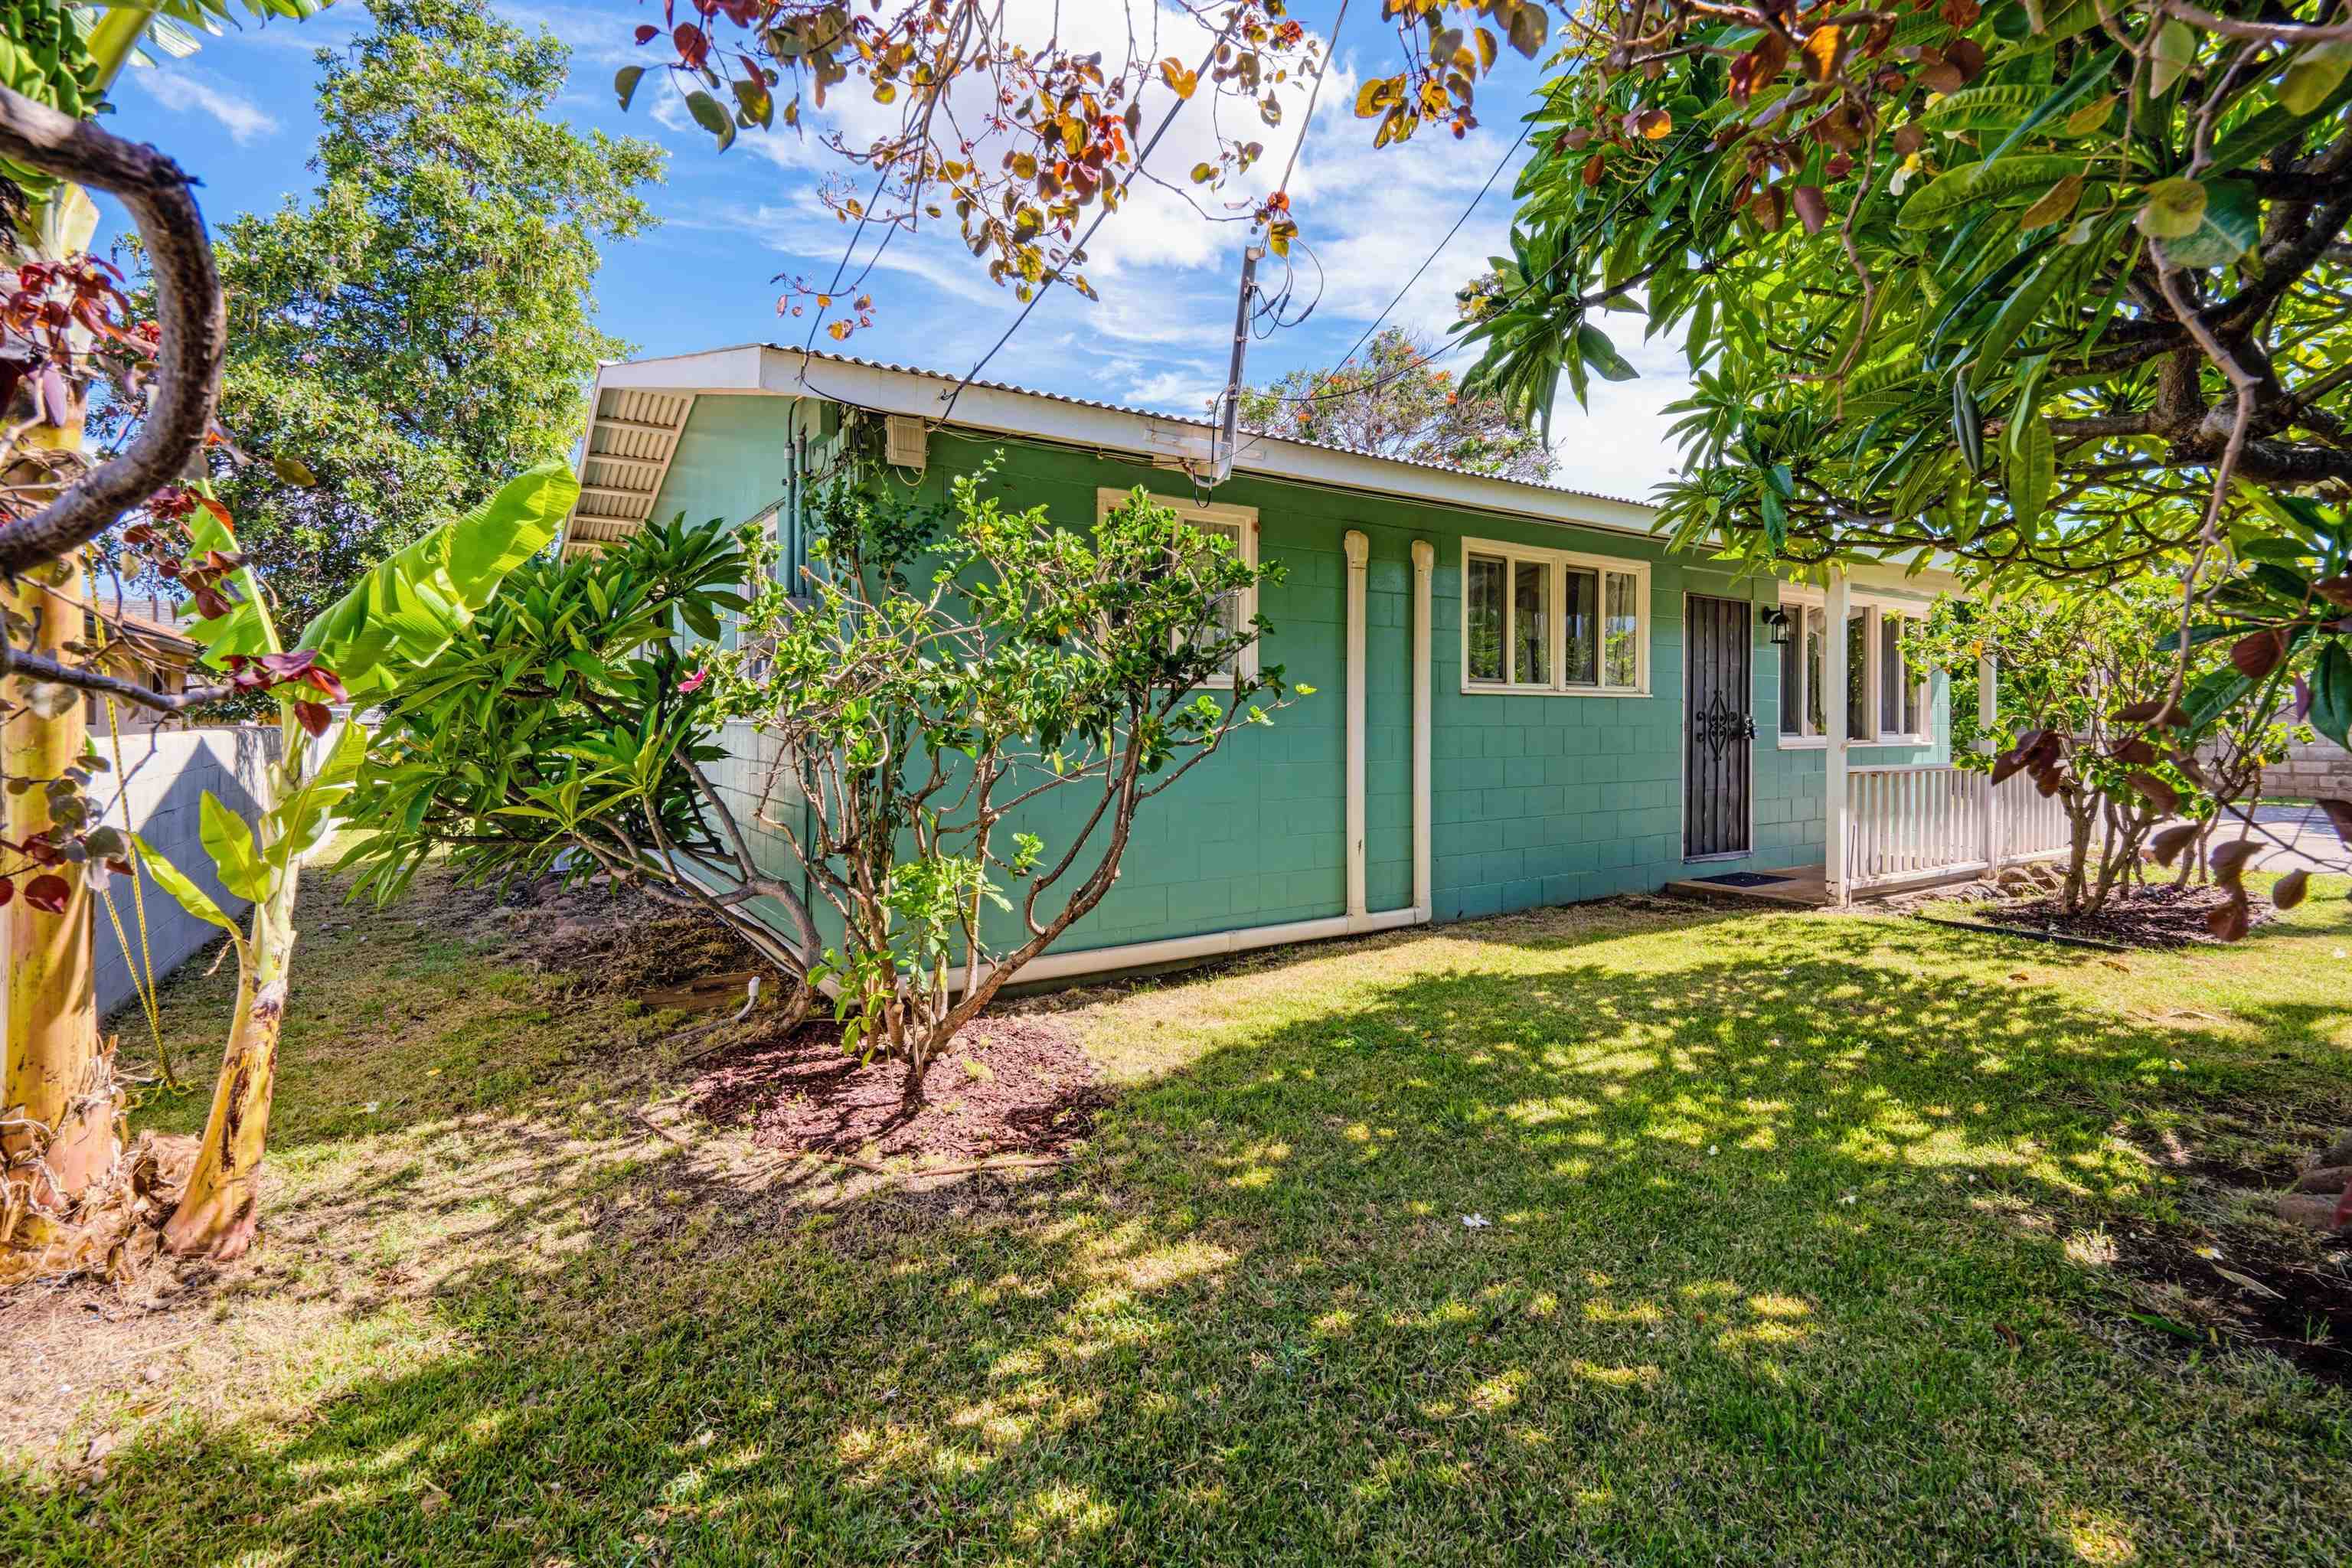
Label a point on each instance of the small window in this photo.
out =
(1584, 629)
(1857, 674)
(1482, 623)
(1890, 677)
(1232, 612)
(1885, 699)
(1531, 623)
(1550, 621)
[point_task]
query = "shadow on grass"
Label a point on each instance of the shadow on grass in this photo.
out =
(1763, 1246)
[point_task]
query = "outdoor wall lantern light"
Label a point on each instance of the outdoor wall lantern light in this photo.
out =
(1782, 627)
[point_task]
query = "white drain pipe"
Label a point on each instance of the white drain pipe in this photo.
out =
(1360, 552)
(1424, 563)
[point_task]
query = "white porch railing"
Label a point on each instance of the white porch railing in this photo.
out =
(1935, 820)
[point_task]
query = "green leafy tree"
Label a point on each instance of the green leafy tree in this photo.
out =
(2053, 290)
(1392, 401)
(386, 629)
(935, 674)
(2082, 715)
(423, 325)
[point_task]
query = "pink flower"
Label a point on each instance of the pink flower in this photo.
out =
(693, 682)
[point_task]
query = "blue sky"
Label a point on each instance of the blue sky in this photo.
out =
(240, 116)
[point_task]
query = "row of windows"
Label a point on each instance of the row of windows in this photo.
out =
(1547, 620)
(1884, 699)
(1536, 621)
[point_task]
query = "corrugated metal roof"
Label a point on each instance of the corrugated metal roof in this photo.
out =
(1186, 420)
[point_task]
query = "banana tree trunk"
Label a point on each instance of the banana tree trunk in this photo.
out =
(219, 1211)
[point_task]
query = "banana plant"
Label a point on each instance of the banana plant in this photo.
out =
(392, 624)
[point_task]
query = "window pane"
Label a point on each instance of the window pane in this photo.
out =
(1224, 619)
(1530, 624)
(1914, 716)
(1890, 675)
(1857, 674)
(1817, 641)
(1623, 632)
(1582, 654)
(1792, 686)
(1483, 619)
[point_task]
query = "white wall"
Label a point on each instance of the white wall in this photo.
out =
(168, 771)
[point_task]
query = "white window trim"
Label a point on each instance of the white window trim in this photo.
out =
(1873, 609)
(1242, 519)
(1559, 561)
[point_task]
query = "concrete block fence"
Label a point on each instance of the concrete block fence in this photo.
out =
(168, 772)
(2318, 769)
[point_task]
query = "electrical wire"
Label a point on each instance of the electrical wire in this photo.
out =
(1141, 158)
(1428, 261)
(1513, 298)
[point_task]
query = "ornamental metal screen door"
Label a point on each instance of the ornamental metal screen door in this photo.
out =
(1718, 758)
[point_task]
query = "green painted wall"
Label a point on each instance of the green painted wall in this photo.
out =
(1536, 799)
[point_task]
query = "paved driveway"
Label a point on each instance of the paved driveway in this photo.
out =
(2300, 836)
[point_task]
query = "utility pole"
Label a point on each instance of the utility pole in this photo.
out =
(1220, 453)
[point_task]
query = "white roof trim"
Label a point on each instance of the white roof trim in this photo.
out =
(992, 408)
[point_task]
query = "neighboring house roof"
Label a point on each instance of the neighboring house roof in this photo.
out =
(149, 622)
(640, 408)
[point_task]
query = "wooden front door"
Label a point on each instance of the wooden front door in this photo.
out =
(1718, 751)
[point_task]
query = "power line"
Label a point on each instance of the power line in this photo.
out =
(1432, 257)
(1508, 300)
(1141, 158)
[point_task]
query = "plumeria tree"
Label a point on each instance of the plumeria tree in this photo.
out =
(2087, 674)
(2050, 291)
(67, 1188)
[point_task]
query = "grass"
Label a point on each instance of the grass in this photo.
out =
(1801, 1246)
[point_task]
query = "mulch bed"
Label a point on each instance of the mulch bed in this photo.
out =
(2156, 917)
(1011, 1084)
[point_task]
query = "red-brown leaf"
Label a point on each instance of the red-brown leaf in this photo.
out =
(2290, 890)
(2169, 843)
(2227, 861)
(1813, 208)
(2258, 654)
(47, 893)
(2230, 922)
(2156, 792)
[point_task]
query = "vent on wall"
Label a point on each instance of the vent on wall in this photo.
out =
(903, 441)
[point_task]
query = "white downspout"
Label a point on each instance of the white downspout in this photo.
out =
(1359, 549)
(1424, 562)
(1833, 704)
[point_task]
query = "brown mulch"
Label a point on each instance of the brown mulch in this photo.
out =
(2218, 1271)
(603, 942)
(2156, 917)
(1011, 1084)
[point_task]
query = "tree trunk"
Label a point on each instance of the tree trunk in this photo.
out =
(218, 1213)
(2078, 854)
(58, 1074)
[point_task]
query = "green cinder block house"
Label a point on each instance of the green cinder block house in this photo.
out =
(1522, 698)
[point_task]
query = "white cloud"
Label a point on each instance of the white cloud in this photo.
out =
(1185, 389)
(185, 89)
(1619, 446)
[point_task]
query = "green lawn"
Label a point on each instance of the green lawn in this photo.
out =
(1808, 1241)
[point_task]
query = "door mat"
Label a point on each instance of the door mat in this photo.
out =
(1745, 879)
